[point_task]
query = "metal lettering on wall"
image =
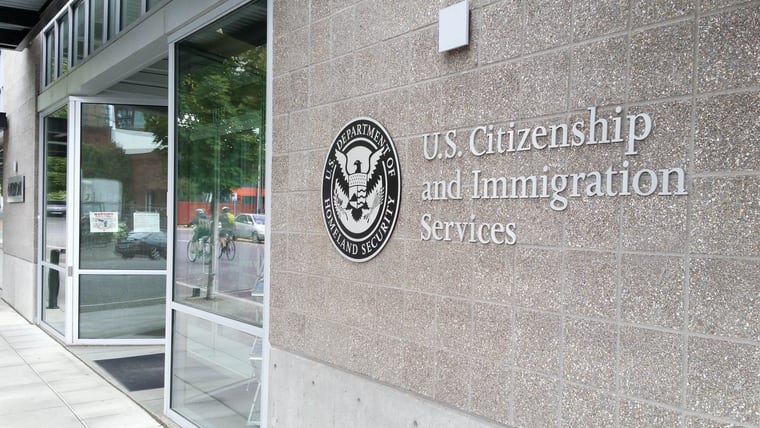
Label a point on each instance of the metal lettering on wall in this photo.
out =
(557, 186)
(15, 189)
(361, 189)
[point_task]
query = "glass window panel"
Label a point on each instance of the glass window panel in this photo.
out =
(54, 224)
(63, 44)
(54, 221)
(122, 306)
(49, 56)
(130, 11)
(123, 187)
(78, 33)
(54, 298)
(221, 98)
(112, 20)
(216, 374)
(96, 24)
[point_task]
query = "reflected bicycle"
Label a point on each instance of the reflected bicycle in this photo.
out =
(228, 248)
(199, 249)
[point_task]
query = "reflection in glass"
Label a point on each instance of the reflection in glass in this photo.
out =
(130, 11)
(54, 222)
(97, 24)
(54, 298)
(63, 44)
(221, 98)
(216, 374)
(78, 30)
(122, 306)
(49, 56)
(123, 187)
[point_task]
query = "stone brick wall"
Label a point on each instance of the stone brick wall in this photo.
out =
(617, 311)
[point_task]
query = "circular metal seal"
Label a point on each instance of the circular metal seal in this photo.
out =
(361, 189)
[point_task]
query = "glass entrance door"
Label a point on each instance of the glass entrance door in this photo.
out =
(120, 238)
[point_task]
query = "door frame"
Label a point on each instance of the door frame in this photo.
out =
(73, 191)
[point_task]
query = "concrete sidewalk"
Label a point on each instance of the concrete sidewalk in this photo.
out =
(43, 385)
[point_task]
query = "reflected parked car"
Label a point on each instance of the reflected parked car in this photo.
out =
(151, 244)
(56, 208)
(250, 226)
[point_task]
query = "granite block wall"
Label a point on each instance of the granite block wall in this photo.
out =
(615, 311)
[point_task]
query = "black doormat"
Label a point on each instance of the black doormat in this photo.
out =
(137, 373)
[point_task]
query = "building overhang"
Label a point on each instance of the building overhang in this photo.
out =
(22, 20)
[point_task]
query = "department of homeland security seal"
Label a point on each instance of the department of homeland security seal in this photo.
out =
(361, 189)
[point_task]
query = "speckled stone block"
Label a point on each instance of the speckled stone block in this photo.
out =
(589, 353)
(584, 407)
(662, 62)
(411, 58)
(332, 80)
(319, 9)
(435, 274)
(729, 55)
(536, 283)
(537, 341)
(292, 51)
(596, 75)
(546, 24)
(458, 92)
(350, 303)
(724, 379)
(500, 90)
(713, 5)
(634, 414)
(493, 332)
(594, 18)
(412, 111)
(453, 375)
(389, 310)
(418, 372)
(726, 134)
(724, 214)
(320, 41)
(492, 282)
(501, 31)
(291, 15)
(293, 90)
(419, 318)
(395, 18)
(544, 83)
(591, 283)
(650, 365)
(386, 359)
(723, 298)
(343, 36)
(655, 223)
(288, 329)
(491, 391)
(644, 12)
(652, 290)
(536, 400)
(593, 223)
(455, 324)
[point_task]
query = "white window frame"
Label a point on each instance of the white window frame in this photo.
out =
(171, 305)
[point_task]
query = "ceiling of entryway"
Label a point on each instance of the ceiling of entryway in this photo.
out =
(21, 20)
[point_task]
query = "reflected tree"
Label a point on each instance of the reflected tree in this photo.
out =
(220, 124)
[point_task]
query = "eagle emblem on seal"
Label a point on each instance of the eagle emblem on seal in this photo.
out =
(361, 189)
